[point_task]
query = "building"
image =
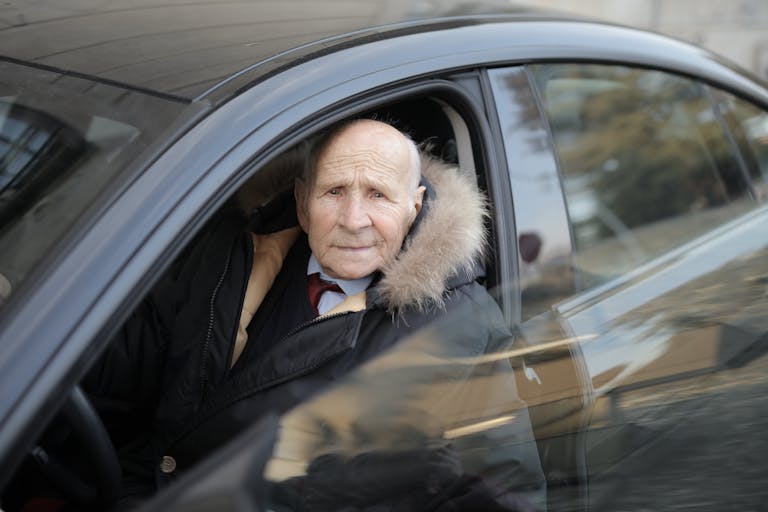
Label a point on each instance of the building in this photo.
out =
(737, 29)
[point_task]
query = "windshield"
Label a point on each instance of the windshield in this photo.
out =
(63, 139)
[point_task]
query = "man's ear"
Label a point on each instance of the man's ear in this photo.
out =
(419, 198)
(299, 194)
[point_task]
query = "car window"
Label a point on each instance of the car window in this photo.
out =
(62, 140)
(645, 163)
(543, 238)
(435, 421)
(749, 125)
(671, 353)
(677, 362)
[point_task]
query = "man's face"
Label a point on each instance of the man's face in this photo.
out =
(362, 202)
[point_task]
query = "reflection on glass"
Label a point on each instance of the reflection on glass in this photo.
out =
(436, 422)
(544, 242)
(36, 150)
(675, 351)
(62, 141)
(645, 163)
(680, 381)
(749, 125)
(672, 356)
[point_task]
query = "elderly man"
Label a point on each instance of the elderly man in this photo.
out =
(255, 320)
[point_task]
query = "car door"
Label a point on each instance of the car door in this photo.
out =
(653, 228)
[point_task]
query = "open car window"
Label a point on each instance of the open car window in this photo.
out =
(437, 420)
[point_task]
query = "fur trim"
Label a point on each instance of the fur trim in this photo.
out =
(449, 241)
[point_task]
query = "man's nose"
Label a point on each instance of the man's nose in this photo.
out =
(354, 214)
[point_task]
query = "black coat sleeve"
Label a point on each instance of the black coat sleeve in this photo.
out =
(126, 382)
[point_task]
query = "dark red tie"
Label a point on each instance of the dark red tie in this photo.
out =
(316, 287)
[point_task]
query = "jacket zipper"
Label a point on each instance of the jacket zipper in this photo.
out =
(241, 304)
(315, 320)
(274, 382)
(304, 370)
(209, 332)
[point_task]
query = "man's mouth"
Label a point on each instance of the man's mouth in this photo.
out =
(353, 247)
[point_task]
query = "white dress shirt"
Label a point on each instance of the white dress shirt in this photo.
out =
(330, 299)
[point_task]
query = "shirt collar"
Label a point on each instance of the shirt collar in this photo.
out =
(348, 286)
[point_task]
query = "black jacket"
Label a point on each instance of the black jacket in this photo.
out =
(167, 387)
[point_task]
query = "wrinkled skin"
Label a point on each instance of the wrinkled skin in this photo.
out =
(362, 201)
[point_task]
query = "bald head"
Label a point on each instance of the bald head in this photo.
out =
(392, 141)
(359, 198)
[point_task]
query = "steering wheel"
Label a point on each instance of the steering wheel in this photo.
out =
(102, 481)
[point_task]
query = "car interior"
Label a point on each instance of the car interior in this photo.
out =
(74, 463)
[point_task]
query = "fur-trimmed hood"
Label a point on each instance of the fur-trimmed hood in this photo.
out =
(446, 243)
(442, 250)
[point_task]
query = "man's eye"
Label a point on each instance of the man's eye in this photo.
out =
(334, 192)
(377, 194)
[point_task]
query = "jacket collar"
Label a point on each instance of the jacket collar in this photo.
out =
(441, 251)
(444, 245)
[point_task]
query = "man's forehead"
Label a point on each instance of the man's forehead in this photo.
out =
(362, 158)
(368, 138)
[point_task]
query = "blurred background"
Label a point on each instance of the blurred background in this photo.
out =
(737, 29)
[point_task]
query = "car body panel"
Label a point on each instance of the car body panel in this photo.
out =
(182, 49)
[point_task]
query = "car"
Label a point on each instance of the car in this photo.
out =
(627, 175)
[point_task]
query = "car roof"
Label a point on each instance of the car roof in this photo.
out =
(184, 49)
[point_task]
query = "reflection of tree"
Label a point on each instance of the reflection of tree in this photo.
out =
(646, 152)
(527, 117)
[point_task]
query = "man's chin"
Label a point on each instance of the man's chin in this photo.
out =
(351, 276)
(350, 273)
(354, 263)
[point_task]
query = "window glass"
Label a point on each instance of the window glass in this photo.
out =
(678, 366)
(749, 125)
(434, 422)
(63, 139)
(645, 163)
(655, 386)
(543, 238)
